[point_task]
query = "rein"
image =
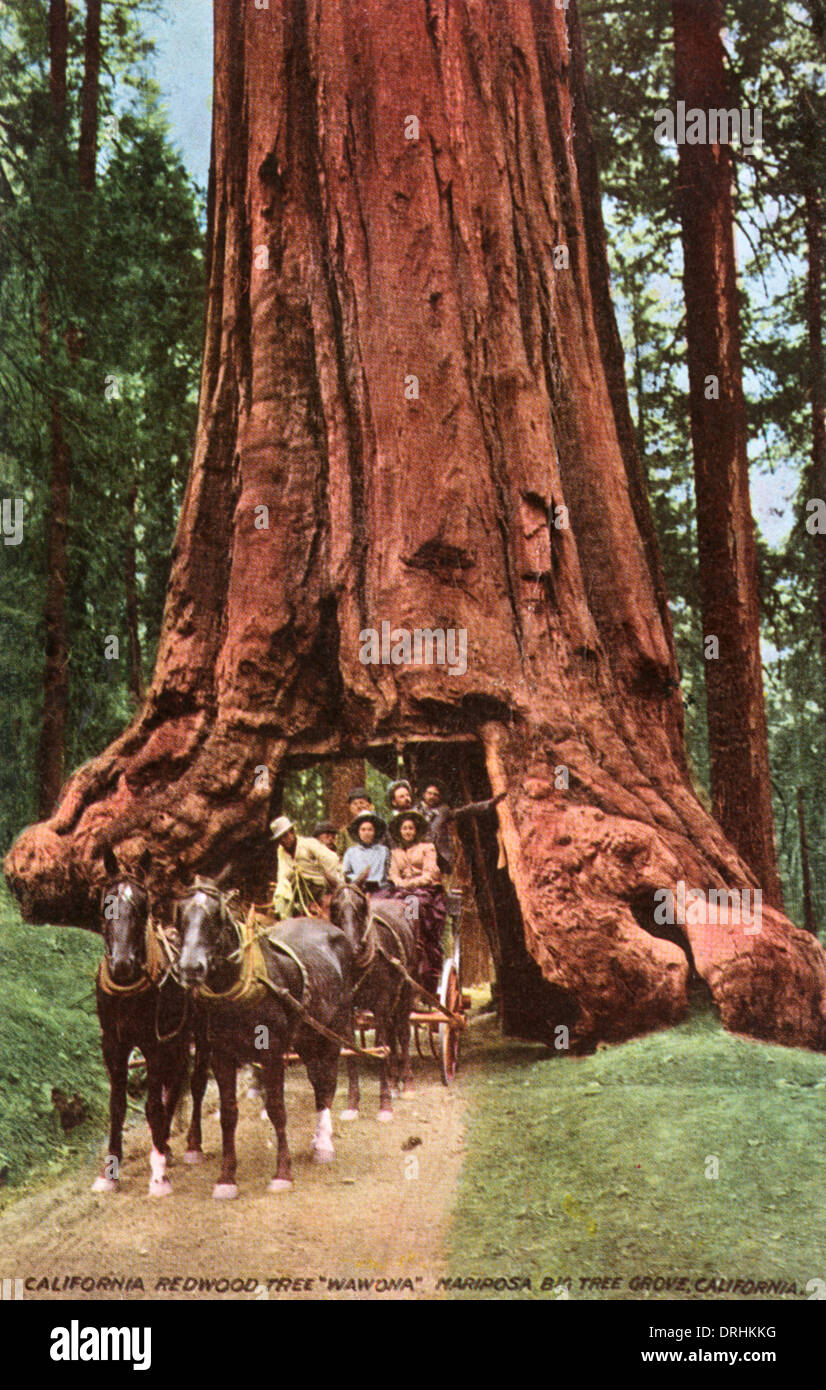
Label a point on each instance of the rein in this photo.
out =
(253, 981)
(397, 963)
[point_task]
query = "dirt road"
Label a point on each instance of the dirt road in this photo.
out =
(372, 1224)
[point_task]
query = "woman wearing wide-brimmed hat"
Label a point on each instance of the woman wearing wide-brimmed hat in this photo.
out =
(415, 874)
(367, 830)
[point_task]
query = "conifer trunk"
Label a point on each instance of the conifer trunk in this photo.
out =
(737, 731)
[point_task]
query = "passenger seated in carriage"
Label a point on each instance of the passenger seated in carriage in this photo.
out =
(415, 873)
(368, 830)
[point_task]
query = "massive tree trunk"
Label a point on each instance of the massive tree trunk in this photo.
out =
(737, 733)
(55, 712)
(348, 252)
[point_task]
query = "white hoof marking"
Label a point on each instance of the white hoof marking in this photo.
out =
(160, 1187)
(105, 1185)
(194, 1156)
(385, 1116)
(280, 1185)
(225, 1191)
(349, 1115)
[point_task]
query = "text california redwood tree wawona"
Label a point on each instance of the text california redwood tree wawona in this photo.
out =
(352, 247)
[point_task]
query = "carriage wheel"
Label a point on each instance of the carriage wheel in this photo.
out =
(450, 995)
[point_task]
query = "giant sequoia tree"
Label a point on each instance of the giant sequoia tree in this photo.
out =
(396, 192)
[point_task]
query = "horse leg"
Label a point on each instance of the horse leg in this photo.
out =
(402, 1021)
(116, 1058)
(277, 1111)
(158, 1120)
(322, 1069)
(353, 1092)
(175, 1060)
(385, 1096)
(225, 1071)
(197, 1087)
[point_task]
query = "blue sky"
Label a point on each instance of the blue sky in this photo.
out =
(183, 71)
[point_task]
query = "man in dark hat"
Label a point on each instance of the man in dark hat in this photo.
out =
(367, 830)
(359, 800)
(326, 832)
(440, 817)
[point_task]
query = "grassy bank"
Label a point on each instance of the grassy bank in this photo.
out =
(595, 1167)
(49, 1037)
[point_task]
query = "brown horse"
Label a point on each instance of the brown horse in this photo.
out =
(256, 990)
(140, 1005)
(380, 932)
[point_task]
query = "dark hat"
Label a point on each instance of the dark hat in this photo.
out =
(324, 827)
(375, 821)
(417, 818)
(402, 782)
(359, 793)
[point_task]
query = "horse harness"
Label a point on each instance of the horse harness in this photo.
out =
(155, 971)
(253, 981)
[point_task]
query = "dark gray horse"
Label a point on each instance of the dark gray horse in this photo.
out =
(249, 986)
(140, 1005)
(380, 932)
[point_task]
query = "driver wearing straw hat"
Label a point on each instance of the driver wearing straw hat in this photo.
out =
(307, 869)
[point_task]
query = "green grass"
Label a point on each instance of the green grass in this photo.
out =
(596, 1166)
(49, 1036)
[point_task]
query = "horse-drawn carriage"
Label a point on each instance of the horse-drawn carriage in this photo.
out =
(249, 990)
(437, 1022)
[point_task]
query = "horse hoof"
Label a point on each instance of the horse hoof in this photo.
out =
(224, 1191)
(349, 1115)
(280, 1185)
(323, 1155)
(194, 1156)
(160, 1187)
(105, 1185)
(385, 1116)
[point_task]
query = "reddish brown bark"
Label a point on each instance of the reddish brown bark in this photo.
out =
(737, 733)
(388, 257)
(88, 141)
(341, 777)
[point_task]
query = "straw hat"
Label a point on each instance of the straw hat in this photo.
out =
(280, 826)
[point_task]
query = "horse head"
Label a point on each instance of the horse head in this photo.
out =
(208, 935)
(349, 908)
(124, 913)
